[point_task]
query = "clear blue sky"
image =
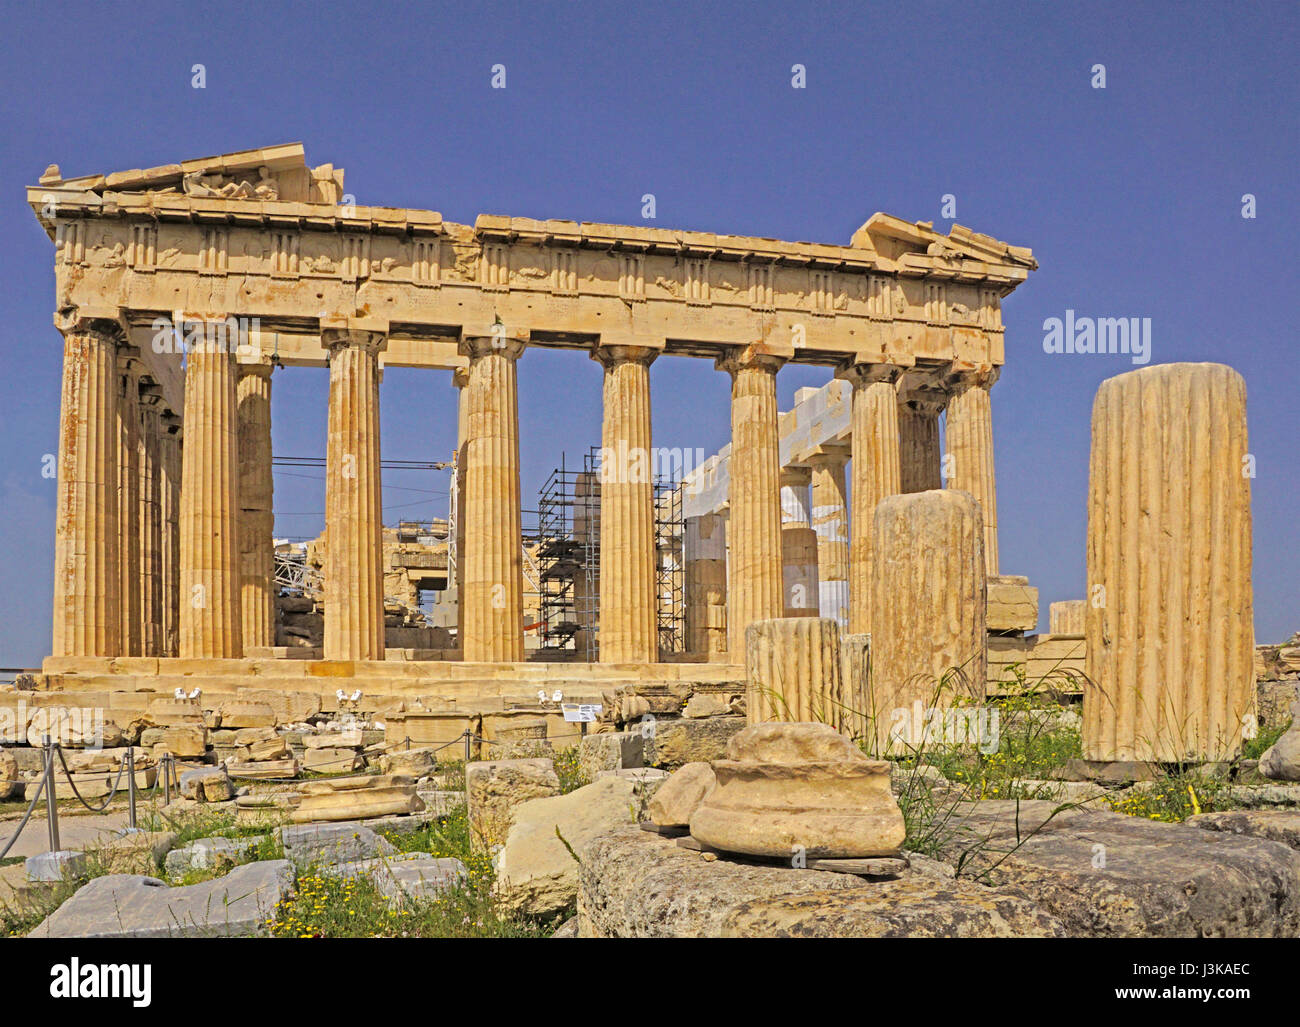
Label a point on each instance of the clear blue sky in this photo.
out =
(1130, 198)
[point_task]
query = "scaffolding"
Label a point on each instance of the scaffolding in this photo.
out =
(568, 560)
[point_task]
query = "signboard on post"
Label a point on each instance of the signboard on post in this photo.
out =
(582, 713)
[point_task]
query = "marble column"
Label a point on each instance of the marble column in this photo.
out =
(706, 584)
(799, 588)
(876, 474)
(170, 503)
(128, 501)
(87, 577)
(830, 519)
(754, 526)
(460, 378)
(586, 580)
(969, 438)
(628, 620)
(920, 402)
(256, 517)
(150, 520)
(354, 572)
(494, 583)
(209, 625)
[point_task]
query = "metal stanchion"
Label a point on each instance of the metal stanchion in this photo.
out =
(130, 792)
(51, 797)
(467, 745)
(167, 778)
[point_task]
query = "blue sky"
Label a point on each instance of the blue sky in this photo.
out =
(1130, 197)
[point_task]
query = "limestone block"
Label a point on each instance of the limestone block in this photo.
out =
(186, 742)
(681, 795)
(205, 853)
(1281, 761)
(263, 770)
(270, 749)
(610, 751)
(928, 641)
(59, 865)
(174, 712)
(789, 789)
(207, 785)
(307, 844)
(1012, 603)
(1067, 617)
(356, 798)
(707, 704)
(493, 789)
(9, 781)
(241, 713)
(401, 878)
(1169, 624)
(331, 761)
(670, 744)
(794, 672)
(415, 763)
(536, 873)
(288, 707)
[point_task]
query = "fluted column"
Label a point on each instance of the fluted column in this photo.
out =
(754, 526)
(1169, 618)
(151, 485)
(460, 378)
(706, 584)
(354, 572)
(494, 581)
(128, 502)
(169, 499)
(256, 516)
(628, 619)
(969, 438)
(876, 474)
(209, 501)
(799, 587)
(87, 578)
(920, 402)
(586, 580)
(830, 520)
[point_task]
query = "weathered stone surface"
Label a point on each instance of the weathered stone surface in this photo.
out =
(287, 707)
(645, 781)
(1012, 604)
(611, 750)
(206, 784)
(205, 853)
(129, 906)
(1170, 653)
(910, 907)
(1067, 617)
(929, 643)
(670, 744)
(706, 704)
(356, 798)
(788, 788)
(59, 865)
(1281, 761)
(681, 795)
(410, 762)
(407, 876)
(1148, 879)
(185, 742)
(792, 665)
(307, 844)
(263, 769)
(1275, 825)
(9, 781)
(535, 871)
(494, 788)
(268, 749)
(134, 852)
(241, 713)
(331, 761)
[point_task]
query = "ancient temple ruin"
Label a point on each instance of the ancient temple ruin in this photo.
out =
(181, 288)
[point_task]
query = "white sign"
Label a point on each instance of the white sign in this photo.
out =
(582, 713)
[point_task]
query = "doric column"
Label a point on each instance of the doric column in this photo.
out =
(151, 484)
(876, 474)
(87, 578)
(969, 438)
(354, 572)
(209, 501)
(799, 588)
(128, 501)
(628, 620)
(494, 581)
(920, 402)
(256, 519)
(586, 579)
(460, 378)
(754, 527)
(170, 502)
(706, 584)
(830, 519)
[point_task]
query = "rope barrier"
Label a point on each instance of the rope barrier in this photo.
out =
(26, 816)
(75, 791)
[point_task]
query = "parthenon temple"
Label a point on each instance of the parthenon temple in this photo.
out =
(180, 289)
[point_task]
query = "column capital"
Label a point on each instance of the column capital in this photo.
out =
(958, 379)
(256, 368)
(460, 377)
(619, 353)
(475, 346)
(868, 374)
(754, 356)
(72, 320)
(795, 476)
(358, 338)
(923, 390)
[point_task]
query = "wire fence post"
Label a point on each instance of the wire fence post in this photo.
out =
(130, 786)
(51, 797)
(167, 778)
(467, 744)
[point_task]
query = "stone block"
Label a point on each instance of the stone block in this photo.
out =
(1067, 617)
(1012, 604)
(332, 761)
(495, 787)
(206, 853)
(611, 750)
(794, 671)
(59, 865)
(408, 876)
(184, 742)
(670, 744)
(680, 796)
(309, 844)
(1281, 761)
(356, 798)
